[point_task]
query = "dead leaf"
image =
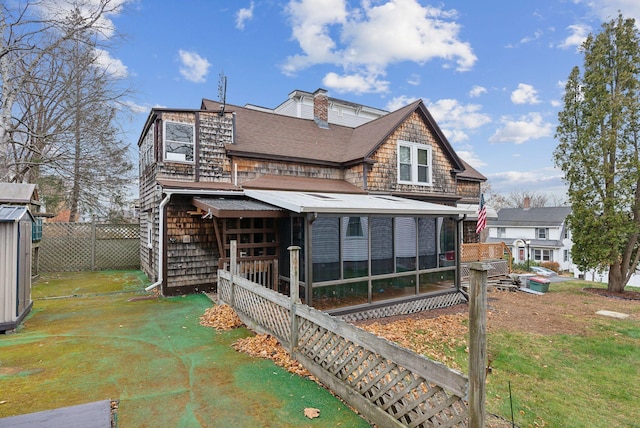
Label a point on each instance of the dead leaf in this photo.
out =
(311, 413)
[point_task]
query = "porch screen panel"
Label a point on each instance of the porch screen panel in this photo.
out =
(355, 248)
(447, 242)
(381, 245)
(405, 236)
(325, 249)
(427, 243)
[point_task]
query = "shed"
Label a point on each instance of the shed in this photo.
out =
(15, 265)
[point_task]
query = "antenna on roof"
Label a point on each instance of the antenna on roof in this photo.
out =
(222, 92)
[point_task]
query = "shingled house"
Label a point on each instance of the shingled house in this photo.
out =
(378, 209)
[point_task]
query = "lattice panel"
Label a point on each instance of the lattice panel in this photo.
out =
(267, 314)
(498, 268)
(410, 307)
(329, 349)
(84, 246)
(409, 398)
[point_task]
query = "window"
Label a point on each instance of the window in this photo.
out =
(543, 255)
(146, 150)
(502, 232)
(566, 255)
(354, 227)
(542, 233)
(414, 163)
(178, 141)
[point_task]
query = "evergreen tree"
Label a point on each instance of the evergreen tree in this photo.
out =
(599, 135)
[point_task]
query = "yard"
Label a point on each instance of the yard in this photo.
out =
(567, 366)
(96, 336)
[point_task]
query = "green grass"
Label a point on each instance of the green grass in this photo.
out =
(562, 380)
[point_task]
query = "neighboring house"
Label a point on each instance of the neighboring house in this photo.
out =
(339, 112)
(374, 207)
(535, 234)
(26, 194)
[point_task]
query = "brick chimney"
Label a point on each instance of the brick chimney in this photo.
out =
(527, 203)
(321, 108)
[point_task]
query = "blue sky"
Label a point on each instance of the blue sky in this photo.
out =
(492, 73)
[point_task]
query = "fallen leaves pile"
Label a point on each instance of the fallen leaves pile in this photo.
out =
(220, 317)
(266, 346)
(427, 336)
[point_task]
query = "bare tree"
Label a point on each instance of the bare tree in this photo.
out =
(517, 199)
(31, 32)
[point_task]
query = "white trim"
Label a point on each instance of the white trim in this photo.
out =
(414, 147)
(177, 157)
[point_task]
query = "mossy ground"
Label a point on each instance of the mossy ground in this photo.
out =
(85, 341)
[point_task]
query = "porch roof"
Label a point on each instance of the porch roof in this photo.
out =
(341, 203)
(234, 208)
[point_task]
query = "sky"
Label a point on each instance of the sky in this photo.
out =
(492, 73)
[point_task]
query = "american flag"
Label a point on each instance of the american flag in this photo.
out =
(482, 216)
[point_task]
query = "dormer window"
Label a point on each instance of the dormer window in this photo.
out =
(414, 163)
(178, 141)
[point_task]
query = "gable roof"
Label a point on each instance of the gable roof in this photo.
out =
(532, 217)
(470, 173)
(271, 135)
(19, 193)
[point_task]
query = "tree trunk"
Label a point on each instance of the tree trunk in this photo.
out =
(616, 279)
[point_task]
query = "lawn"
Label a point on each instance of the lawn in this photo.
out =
(96, 336)
(566, 365)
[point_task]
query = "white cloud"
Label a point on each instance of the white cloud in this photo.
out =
(579, 33)
(114, 67)
(60, 9)
(546, 180)
(608, 9)
(135, 108)
(243, 15)
(471, 158)
(367, 39)
(536, 36)
(355, 83)
(529, 127)
(399, 102)
(414, 79)
(456, 119)
(525, 94)
(193, 67)
(476, 91)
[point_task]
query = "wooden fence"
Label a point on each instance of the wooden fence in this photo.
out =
(89, 246)
(261, 271)
(485, 251)
(390, 385)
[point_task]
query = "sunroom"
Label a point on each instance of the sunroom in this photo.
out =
(359, 251)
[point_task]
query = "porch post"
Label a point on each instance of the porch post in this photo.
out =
(477, 343)
(294, 291)
(233, 269)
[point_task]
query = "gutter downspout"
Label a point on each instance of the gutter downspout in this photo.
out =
(161, 208)
(164, 202)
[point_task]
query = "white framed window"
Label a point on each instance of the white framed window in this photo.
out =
(566, 255)
(543, 255)
(542, 233)
(178, 141)
(414, 163)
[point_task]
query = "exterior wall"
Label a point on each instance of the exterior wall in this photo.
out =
(468, 189)
(250, 169)
(191, 249)
(211, 165)
(383, 176)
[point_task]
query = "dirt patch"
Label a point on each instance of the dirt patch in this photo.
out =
(627, 295)
(551, 313)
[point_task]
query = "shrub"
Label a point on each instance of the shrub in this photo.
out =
(554, 266)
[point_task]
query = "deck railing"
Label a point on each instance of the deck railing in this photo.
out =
(390, 385)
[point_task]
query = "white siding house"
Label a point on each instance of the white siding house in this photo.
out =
(535, 234)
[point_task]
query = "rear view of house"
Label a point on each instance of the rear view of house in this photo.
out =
(378, 208)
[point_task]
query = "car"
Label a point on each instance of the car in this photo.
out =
(542, 271)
